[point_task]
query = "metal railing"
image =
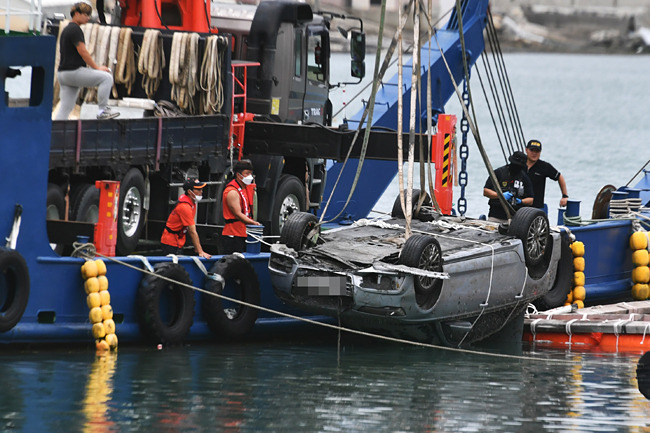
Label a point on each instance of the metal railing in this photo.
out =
(33, 15)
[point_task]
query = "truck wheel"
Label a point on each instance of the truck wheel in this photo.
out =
(55, 209)
(87, 206)
(296, 232)
(531, 226)
(289, 198)
(423, 252)
(131, 212)
(397, 205)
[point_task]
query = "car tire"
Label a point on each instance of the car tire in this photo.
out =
(423, 252)
(297, 231)
(531, 226)
(397, 211)
(563, 280)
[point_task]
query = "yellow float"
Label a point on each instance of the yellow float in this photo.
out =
(99, 303)
(641, 260)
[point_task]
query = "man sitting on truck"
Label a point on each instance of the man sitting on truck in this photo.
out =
(78, 69)
(181, 221)
(237, 208)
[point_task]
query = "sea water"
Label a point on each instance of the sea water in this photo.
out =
(591, 114)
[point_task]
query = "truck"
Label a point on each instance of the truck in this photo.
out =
(273, 67)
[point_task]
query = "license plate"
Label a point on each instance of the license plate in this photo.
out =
(320, 286)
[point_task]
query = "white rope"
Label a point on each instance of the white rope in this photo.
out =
(151, 61)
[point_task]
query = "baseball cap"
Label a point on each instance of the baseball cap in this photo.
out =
(534, 145)
(192, 183)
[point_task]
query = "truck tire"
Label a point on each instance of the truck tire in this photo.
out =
(87, 205)
(55, 209)
(130, 215)
(397, 205)
(289, 198)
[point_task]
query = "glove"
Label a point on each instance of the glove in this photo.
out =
(507, 195)
(517, 201)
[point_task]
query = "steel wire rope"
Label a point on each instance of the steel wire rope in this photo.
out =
(88, 251)
(501, 107)
(489, 107)
(505, 73)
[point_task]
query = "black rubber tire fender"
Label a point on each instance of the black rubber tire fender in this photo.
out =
(289, 188)
(296, 230)
(563, 280)
(531, 226)
(132, 187)
(415, 196)
(225, 318)
(172, 325)
(423, 252)
(87, 205)
(14, 280)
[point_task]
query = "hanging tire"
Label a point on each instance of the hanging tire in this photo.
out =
(87, 205)
(165, 309)
(14, 288)
(397, 211)
(130, 212)
(225, 318)
(289, 199)
(423, 252)
(531, 226)
(298, 231)
(563, 280)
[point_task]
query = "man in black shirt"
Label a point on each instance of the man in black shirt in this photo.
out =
(78, 69)
(538, 171)
(515, 184)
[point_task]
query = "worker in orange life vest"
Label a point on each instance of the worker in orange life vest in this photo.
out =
(238, 208)
(181, 221)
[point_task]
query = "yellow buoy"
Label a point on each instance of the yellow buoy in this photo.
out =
(101, 345)
(641, 274)
(111, 340)
(89, 269)
(109, 326)
(578, 278)
(579, 293)
(95, 315)
(98, 330)
(579, 264)
(569, 298)
(101, 267)
(105, 297)
(578, 249)
(638, 241)
(107, 312)
(580, 304)
(93, 300)
(640, 258)
(640, 292)
(91, 285)
(103, 283)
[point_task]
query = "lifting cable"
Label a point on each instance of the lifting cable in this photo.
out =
(210, 83)
(151, 61)
(125, 70)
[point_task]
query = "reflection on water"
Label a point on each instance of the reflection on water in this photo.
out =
(643, 375)
(289, 386)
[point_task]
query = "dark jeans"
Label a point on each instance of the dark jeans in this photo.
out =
(233, 244)
(169, 249)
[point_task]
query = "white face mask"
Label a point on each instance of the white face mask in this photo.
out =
(197, 198)
(247, 180)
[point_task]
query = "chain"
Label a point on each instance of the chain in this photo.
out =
(464, 153)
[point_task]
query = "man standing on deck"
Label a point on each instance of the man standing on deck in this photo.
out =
(78, 69)
(538, 170)
(515, 184)
(181, 221)
(237, 203)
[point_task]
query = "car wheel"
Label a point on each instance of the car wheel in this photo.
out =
(299, 231)
(423, 252)
(531, 226)
(397, 211)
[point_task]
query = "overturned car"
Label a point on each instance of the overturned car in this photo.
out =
(454, 281)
